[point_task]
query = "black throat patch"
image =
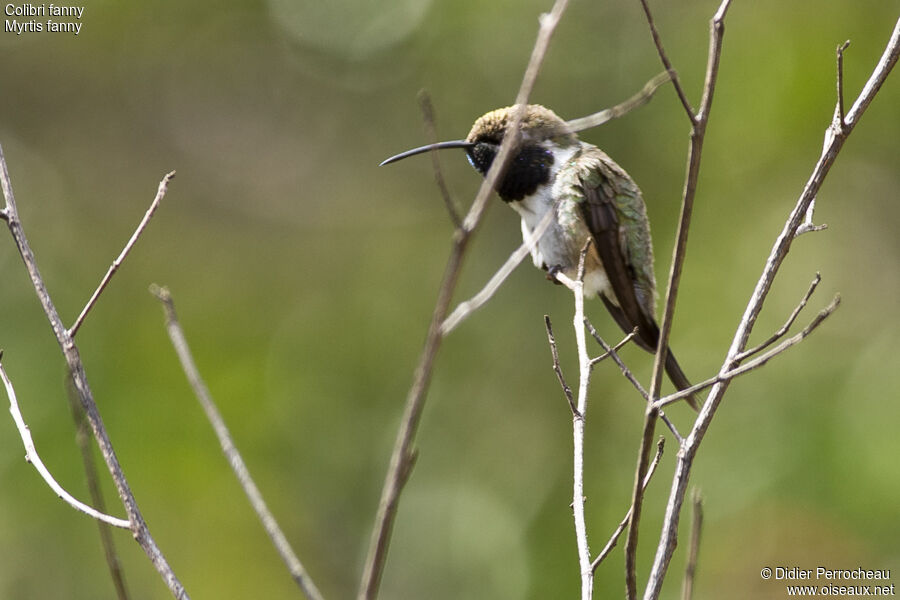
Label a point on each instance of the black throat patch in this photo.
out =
(528, 170)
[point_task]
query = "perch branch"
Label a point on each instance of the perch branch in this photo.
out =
(76, 370)
(160, 194)
(179, 342)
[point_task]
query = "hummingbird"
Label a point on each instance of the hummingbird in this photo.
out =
(593, 199)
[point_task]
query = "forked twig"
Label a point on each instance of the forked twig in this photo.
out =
(160, 194)
(76, 370)
(787, 325)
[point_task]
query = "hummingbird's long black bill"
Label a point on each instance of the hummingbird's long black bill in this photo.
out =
(420, 150)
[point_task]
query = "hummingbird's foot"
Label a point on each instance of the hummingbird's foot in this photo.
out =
(552, 272)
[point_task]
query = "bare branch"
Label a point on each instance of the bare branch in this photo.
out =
(464, 309)
(687, 588)
(556, 368)
(759, 360)
(76, 370)
(32, 456)
(160, 194)
(665, 61)
(431, 133)
(834, 142)
(612, 352)
(660, 444)
(179, 342)
(623, 108)
(401, 456)
(787, 325)
(82, 439)
(698, 133)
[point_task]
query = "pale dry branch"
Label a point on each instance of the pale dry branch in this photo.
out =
(660, 444)
(835, 138)
(160, 194)
(31, 456)
(402, 454)
(759, 360)
(235, 460)
(787, 325)
(76, 370)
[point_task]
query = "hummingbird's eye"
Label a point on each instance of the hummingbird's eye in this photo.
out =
(481, 155)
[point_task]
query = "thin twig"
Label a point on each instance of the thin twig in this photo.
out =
(759, 360)
(558, 370)
(82, 439)
(464, 309)
(31, 455)
(698, 133)
(665, 61)
(612, 352)
(835, 139)
(690, 569)
(431, 134)
(787, 325)
(402, 454)
(160, 194)
(623, 108)
(76, 370)
(179, 342)
(660, 444)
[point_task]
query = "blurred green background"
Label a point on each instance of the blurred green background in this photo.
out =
(305, 275)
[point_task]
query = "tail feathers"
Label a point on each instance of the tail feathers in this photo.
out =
(647, 338)
(679, 379)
